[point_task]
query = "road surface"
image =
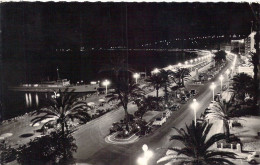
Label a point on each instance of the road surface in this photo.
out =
(92, 148)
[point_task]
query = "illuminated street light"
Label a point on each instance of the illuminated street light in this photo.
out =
(136, 76)
(194, 106)
(106, 83)
(221, 80)
(212, 87)
(146, 156)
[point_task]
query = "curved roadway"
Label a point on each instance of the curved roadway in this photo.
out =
(90, 138)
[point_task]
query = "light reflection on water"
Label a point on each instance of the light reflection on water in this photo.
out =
(29, 101)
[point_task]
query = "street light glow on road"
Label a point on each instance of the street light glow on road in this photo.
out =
(146, 156)
(194, 106)
(212, 87)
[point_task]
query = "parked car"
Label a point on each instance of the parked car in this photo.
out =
(159, 121)
(184, 99)
(174, 107)
(193, 92)
(167, 113)
(254, 158)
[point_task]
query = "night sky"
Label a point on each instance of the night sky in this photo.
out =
(43, 27)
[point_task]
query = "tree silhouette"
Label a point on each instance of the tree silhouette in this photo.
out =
(62, 110)
(221, 111)
(242, 84)
(196, 146)
(124, 93)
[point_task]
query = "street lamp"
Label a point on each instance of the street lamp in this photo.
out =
(212, 87)
(194, 106)
(136, 76)
(221, 80)
(147, 155)
(106, 83)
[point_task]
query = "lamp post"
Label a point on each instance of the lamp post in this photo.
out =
(146, 156)
(212, 87)
(194, 106)
(106, 83)
(221, 81)
(136, 76)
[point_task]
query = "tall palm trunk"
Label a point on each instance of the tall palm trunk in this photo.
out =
(126, 118)
(166, 94)
(157, 98)
(226, 128)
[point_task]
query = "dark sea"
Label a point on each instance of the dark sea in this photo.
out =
(74, 67)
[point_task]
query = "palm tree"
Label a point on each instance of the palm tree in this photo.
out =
(219, 57)
(145, 104)
(124, 93)
(196, 150)
(222, 111)
(157, 82)
(182, 74)
(62, 110)
(167, 76)
(242, 84)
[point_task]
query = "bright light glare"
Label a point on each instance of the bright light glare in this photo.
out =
(221, 77)
(148, 154)
(145, 148)
(194, 104)
(136, 75)
(106, 82)
(212, 86)
(142, 161)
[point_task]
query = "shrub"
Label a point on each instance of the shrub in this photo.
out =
(49, 149)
